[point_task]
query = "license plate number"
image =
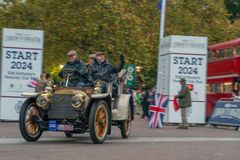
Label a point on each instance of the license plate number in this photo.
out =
(62, 127)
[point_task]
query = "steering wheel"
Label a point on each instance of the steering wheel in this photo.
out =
(68, 73)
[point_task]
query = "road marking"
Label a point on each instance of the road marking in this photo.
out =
(179, 139)
(130, 140)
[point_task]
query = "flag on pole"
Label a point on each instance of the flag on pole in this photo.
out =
(162, 8)
(157, 111)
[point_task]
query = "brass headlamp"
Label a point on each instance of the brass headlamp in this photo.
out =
(43, 100)
(98, 87)
(78, 101)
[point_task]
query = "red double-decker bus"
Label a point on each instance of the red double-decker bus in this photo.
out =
(223, 75)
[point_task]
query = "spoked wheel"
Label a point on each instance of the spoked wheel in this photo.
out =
(98, 122)
(126, 125)
(68, 134)
(29, 115)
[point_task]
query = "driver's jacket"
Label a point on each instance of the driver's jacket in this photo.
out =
(79, 73)
(103, 71)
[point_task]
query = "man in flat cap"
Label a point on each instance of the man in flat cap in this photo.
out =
(184, 97)
(91, 59)
(104, 71)
(78, 77)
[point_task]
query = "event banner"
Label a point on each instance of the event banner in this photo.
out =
(184, 57)
(226, 113)
(22, 56)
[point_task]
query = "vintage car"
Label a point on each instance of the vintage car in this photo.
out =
(76, 110)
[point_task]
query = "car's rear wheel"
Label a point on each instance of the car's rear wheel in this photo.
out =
(126, 125)
(68, 134)
(98, 121)
(29, 115)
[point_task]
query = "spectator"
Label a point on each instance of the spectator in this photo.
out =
(138, 99)
(184, 97)
(145, 104)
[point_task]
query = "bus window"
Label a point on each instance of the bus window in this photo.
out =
(235, 86)
(212, 55)
(217, 88)
(238, 50)
(228, 87)
(221, 54)
(209, 88)
(229, 53)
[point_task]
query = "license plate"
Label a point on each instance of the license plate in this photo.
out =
(52, 125)
(65, 127)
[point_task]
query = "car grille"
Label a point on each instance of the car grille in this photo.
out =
(60, 107)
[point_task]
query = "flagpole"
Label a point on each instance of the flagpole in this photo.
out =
(162, 22)
(162, 25)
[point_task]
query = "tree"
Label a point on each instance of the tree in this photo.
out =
(116, 27)
(233, 8)
(199, 18)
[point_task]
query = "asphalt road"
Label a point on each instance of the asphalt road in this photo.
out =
(197, 143)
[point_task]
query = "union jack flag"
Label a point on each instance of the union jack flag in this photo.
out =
(157, 111)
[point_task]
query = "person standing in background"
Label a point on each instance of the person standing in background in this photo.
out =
(152, 98)
(138, 99)
(145, 104)
(184, 97)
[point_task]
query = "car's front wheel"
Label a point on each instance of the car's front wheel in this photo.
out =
(98, 121)
(28, 125)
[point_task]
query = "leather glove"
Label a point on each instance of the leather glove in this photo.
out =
(122, 58)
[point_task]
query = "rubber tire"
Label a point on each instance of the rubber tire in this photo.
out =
(68, 134)
(123, 128)
(23, 130)
(91, 120)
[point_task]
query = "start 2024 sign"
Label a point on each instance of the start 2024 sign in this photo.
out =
(184, 57)
(22, 56)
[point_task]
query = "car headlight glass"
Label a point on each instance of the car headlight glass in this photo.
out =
(78, 101)
(42, 101)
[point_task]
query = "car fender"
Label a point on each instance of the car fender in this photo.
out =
(99, 96)
(29, 94)
(121, 113)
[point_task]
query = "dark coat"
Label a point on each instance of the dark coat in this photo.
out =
(103, 71)
(184, 96)
(145, 101)
(80, 72)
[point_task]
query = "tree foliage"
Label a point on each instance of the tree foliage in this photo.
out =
(233, 7)
(129, 27)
